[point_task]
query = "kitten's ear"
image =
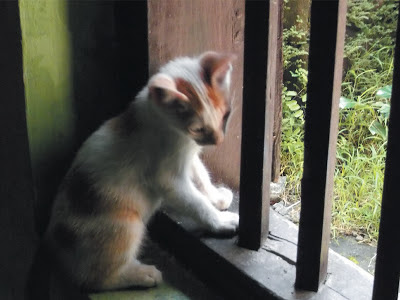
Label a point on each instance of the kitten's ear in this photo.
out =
(162, 89)
(216, 67)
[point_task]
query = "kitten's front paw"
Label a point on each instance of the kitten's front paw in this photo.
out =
(228, 223)
(222, 199)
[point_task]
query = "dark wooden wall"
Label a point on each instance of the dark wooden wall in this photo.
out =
(17, 236)
(187, 28)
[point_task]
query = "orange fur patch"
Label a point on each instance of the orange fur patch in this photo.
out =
(129, 215)
(217, 99)
(187, 89)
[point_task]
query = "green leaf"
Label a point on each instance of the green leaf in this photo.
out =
(294, 106)
(298, 113)
(291, 93)
(385, 92)
(346, 103)
(378, 128)
(385, 110)
(291, 148)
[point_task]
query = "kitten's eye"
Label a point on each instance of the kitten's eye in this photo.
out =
(225, 120)
(198, 130)
(226, 116)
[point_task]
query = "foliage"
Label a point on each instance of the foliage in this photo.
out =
(295, 52)
(363, 119)
(292, 146)
(295, 40)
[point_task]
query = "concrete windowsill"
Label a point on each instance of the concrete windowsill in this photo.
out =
(269, 272)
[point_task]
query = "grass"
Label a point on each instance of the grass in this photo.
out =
(361, 147)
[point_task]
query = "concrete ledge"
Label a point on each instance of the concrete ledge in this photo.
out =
(268, 273)
(163, 291)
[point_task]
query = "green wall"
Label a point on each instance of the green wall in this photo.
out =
(47, 77)
(48, 94)
(83, 61)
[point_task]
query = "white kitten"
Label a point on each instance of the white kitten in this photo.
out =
(144, 158)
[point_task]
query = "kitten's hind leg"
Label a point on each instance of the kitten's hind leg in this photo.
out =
(134, 274)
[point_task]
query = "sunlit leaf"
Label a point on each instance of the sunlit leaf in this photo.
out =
(378, 128)
(294, 106)
(298, 113)
(385, 92)
(346, 103)
(385, 110)
(291, 93)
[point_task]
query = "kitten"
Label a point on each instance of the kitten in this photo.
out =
(145, 158)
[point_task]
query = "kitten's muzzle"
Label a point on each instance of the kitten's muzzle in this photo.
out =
(211, 138)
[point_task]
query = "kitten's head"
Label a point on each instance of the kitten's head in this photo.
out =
(193, 93)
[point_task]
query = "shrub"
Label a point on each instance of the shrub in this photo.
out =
(364, 110)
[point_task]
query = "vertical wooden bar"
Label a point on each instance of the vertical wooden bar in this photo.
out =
(276, 146)
(387, 269)
(261, 19)
(131, 34)
(17, 235)
(328, 21)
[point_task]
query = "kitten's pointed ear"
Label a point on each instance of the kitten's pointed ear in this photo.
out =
(216, 67)
(162, 89)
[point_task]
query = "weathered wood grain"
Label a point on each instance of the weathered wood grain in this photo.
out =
(259, 89)
(277, 134)
(187, 28)
(328, 21)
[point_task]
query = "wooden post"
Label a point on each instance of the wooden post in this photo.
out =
(276, 146)
(387, 269)
(131, 38)
(261, 23)
(328, 21)
(17, 234)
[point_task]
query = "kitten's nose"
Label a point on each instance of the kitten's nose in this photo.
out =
(218, 138)
(212, 138)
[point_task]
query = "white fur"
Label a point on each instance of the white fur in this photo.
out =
(159, 161)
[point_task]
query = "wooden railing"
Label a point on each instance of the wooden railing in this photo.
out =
(328, 22)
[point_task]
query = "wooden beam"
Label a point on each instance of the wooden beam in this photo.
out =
(276, 146)
(387, 269)
(328, 23)
(131, 40)
(17, 235)
(261, 25)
